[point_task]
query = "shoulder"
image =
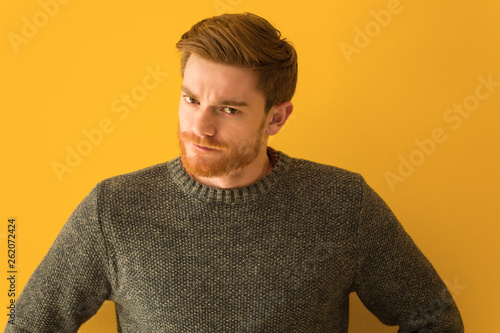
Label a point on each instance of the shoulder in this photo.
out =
(320, 174)
(323, 185)
(149, 179)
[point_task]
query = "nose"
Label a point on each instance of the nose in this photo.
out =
(204, 123)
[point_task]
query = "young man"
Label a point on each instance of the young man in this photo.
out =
(234, 236)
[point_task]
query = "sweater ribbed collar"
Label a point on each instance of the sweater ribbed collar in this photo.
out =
(242, 194)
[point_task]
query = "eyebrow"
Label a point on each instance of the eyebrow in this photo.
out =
(224, 102)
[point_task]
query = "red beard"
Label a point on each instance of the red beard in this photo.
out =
(226, 160)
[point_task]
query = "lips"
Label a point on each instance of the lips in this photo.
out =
(203, 148)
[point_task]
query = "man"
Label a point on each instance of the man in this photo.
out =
(234, 236)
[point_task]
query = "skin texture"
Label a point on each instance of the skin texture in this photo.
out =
(223, 127)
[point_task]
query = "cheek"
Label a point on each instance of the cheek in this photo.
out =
(184, 119)
(239, 135)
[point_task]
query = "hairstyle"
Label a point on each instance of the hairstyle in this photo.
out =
(245, 40)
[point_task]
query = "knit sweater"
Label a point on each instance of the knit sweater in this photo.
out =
(280, 255)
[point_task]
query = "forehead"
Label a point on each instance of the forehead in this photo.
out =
(216, 81)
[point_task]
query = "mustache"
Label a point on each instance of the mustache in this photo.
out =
(204, 142)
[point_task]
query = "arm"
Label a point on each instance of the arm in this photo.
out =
(395, 281)
(71, 282)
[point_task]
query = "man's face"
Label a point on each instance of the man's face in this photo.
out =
(221, 118)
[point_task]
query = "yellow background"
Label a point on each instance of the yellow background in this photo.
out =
(362, 112)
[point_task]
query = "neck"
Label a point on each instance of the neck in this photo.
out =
(245, 176)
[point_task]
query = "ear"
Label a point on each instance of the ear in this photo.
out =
(278, 116)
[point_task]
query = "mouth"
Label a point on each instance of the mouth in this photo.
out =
(202, 148)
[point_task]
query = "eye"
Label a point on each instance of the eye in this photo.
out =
(230, 110)
(190, 100)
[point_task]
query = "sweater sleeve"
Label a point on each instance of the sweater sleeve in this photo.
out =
(394, 280)
(71, 282)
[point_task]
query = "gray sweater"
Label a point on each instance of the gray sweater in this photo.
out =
(280, 255)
